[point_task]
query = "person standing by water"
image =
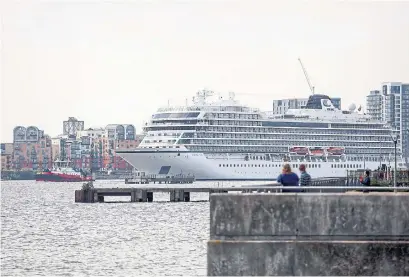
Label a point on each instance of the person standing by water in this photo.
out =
(366, 181)
(288, 178)
(305, 178)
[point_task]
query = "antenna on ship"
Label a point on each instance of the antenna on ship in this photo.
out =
(312, 88)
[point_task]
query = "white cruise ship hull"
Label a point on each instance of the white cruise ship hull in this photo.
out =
(204, 168)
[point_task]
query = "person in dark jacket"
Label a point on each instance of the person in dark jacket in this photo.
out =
(366, 181)
(288, 178)
(305, 178)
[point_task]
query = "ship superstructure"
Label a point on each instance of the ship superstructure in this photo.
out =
(224, 140)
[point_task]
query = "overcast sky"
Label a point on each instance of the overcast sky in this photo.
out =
(117, 63)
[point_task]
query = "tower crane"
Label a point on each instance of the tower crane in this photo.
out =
(306, 77)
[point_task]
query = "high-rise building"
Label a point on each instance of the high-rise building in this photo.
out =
(281, 106)
(374, 104)
(391, 105)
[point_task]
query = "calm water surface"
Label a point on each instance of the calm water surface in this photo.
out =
(44, 232)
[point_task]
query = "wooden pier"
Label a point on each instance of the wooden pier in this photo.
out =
(182, 193)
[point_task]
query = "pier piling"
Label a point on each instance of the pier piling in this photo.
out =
(139, 195)
(149, 196)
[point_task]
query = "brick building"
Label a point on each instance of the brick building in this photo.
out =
(104, 141)
(31, 149)
(6, 151)
(90, 148)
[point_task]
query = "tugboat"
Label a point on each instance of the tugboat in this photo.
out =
(63, 172)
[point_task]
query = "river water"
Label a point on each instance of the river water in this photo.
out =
(44, 232)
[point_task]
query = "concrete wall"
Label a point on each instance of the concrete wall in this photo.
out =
(309, 234)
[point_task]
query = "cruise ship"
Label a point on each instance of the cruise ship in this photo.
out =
(222, 139)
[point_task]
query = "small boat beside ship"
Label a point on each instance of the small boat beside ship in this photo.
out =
(62, 171)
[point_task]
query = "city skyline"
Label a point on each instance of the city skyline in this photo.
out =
(63, 59)
(139, 131)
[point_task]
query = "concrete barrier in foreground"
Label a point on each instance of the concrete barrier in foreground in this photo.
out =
(309, 234)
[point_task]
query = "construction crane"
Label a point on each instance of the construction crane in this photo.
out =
(306, 76)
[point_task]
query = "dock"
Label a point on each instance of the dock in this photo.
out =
(179, 193)
(143, 194)
(142, 178)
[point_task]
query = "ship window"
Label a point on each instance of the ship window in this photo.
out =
(220, 165)
(295, 124)
(175, 115)
(319, 165)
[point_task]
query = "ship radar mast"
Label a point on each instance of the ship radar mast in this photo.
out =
(201, 95)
